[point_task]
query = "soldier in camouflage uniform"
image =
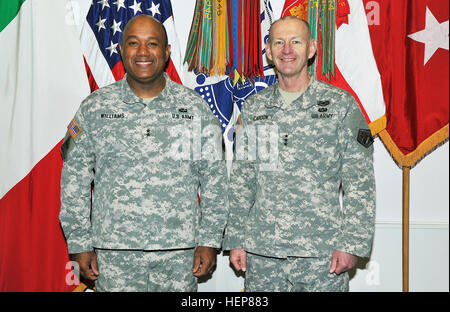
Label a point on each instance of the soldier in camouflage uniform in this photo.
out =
(300, 141)
(149, 145)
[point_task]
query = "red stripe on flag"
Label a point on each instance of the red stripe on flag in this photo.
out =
(33, 252)
(118, 71)
(92, 83)
(172, 72)
(339, 80)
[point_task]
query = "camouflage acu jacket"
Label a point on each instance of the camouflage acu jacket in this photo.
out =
(147, 163)
(290, 162)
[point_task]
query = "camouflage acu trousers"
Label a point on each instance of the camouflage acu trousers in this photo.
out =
(146, 271)
(292, 274)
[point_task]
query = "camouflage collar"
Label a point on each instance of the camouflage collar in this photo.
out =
(129, 97)
(277, 99)
(298, 103)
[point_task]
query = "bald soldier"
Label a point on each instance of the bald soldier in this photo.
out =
(300, 141)
(149, 146)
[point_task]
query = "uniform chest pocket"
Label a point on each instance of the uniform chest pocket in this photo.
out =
(317, 150)
(174, 136)
(259, 142)
(118, 138)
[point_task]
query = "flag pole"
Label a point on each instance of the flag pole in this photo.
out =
(405, 229)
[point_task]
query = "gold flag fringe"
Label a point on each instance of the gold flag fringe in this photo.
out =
(410, 160)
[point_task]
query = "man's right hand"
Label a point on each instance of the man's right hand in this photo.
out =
(238, 257)
(88, 264)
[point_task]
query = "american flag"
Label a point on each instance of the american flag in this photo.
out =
(102, 33)
(73, 128)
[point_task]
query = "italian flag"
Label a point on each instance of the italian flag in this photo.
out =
(42, 83)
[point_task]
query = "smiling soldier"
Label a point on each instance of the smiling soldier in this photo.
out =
(286, 228)
(144, 230)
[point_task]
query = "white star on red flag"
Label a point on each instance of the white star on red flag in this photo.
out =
(434, 36)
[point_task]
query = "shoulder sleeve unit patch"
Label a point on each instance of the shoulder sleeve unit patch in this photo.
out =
(73, 129)
(365, 137)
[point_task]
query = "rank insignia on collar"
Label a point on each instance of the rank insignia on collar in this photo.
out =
(365, 138)
(285, 139)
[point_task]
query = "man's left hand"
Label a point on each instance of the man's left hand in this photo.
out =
(204, 260)
(342, 262)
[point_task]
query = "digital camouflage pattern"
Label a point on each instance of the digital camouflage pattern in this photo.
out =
(292, 274)
(147, 162)
(290, 163)
(145, 271)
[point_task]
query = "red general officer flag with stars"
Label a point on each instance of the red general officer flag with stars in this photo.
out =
(411, 45)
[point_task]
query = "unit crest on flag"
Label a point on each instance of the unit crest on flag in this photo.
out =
(300, 11)
(221, 96)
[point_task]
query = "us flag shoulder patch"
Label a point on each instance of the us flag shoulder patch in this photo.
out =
(73, 128)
